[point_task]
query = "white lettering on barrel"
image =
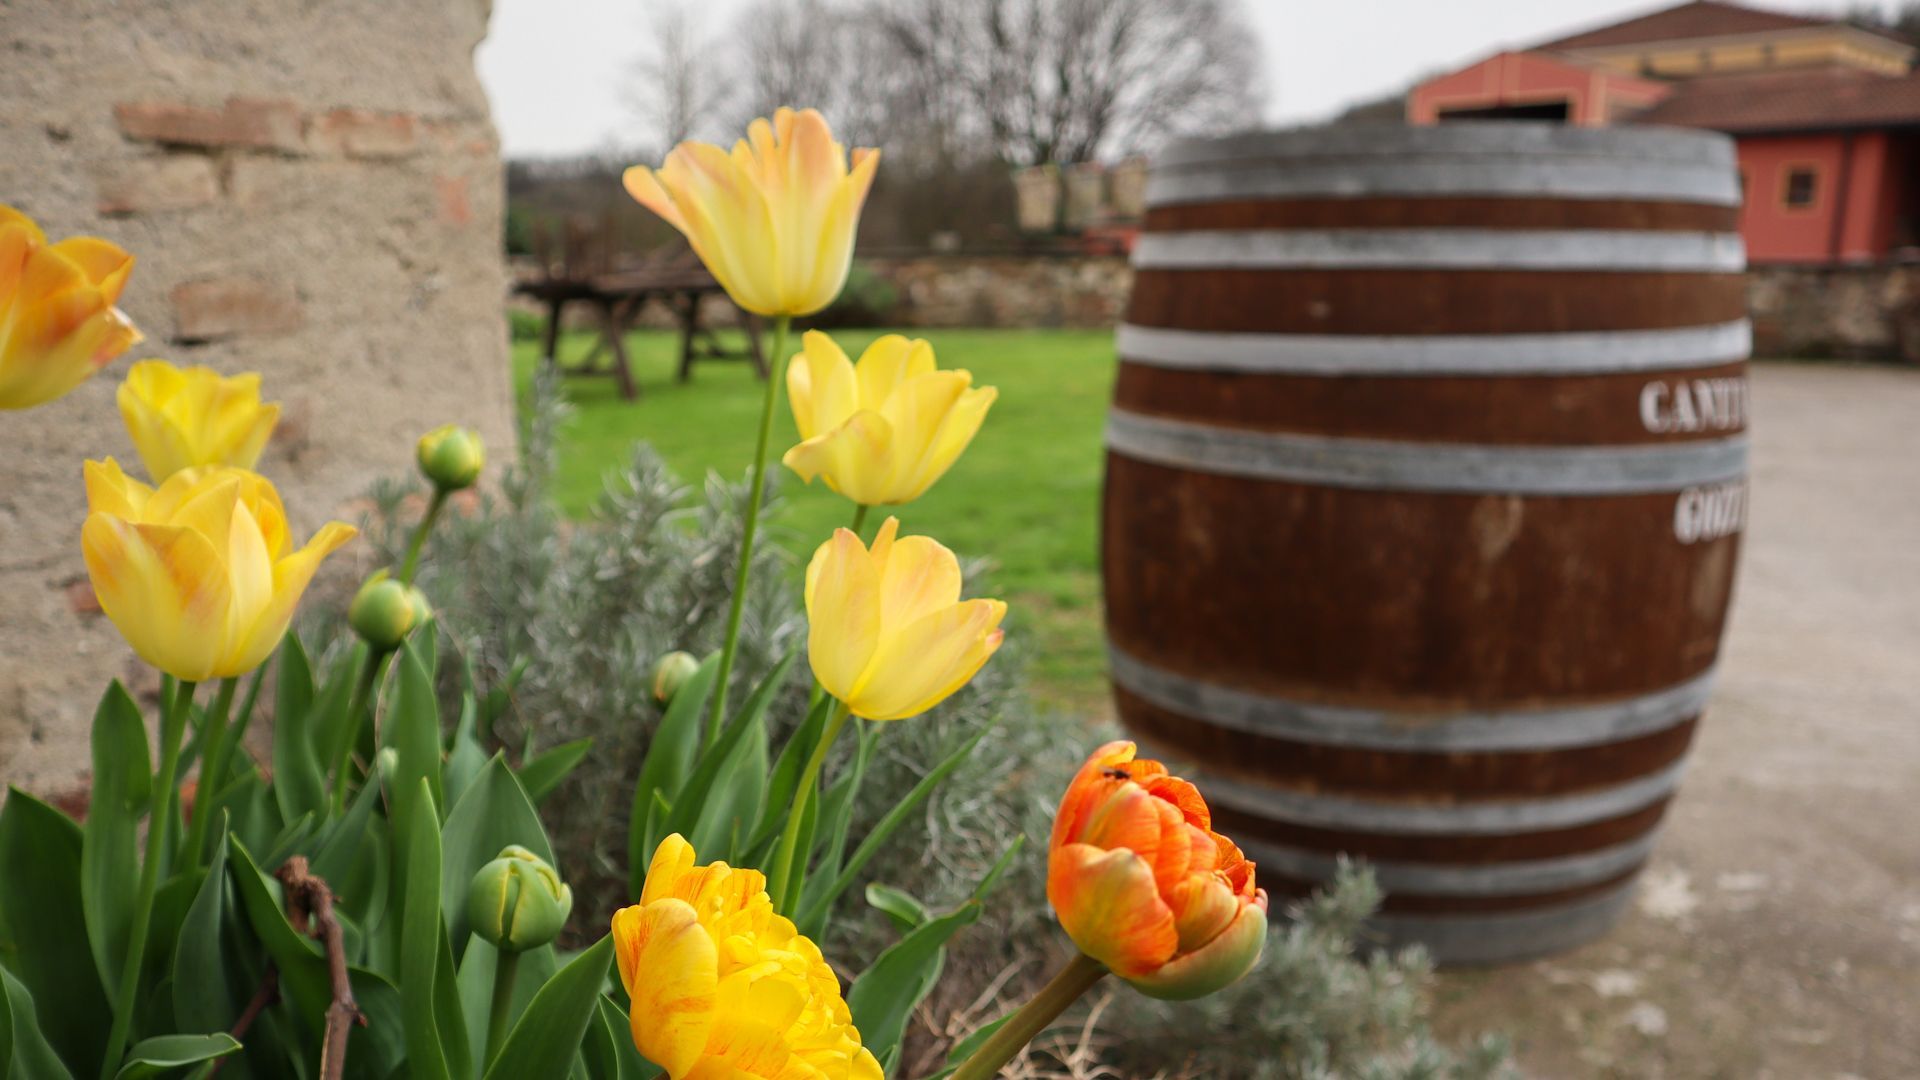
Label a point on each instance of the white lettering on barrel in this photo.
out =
(1690, 405)
(1709, 513)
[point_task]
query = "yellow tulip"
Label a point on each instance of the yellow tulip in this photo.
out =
(58, 324)
(725, 989)
(180, 418)
(887, 631)
(196, 573)
(774, 220)
(884, 430)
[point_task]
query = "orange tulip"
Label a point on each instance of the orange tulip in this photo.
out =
(1143, 884)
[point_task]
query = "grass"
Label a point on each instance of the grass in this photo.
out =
(1024, 495)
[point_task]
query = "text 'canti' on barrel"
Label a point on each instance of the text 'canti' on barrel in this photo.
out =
(1426, 475)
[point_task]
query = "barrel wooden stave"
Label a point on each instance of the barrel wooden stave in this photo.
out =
(1414, 555)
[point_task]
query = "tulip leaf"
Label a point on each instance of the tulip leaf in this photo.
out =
(898, 905)
(203, 999)
(715, 808)
(338, 730)
(886, 993)
(494, 813)
(787, 769)
(339, 842)
(420, 934)
(543, 1043)
(413, 725)
(465, 756)
(43, 933)
(820, 905)
(631, 1065)
(109, 863)
(163, 1054)
(668, 760)
(298, 784)
(25, 1053)
(543, 772)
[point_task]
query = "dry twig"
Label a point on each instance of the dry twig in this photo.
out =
(310, 909)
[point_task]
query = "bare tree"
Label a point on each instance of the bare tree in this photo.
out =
(1071, 80)
(674, 88)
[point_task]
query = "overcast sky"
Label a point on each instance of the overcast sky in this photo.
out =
(554, 68)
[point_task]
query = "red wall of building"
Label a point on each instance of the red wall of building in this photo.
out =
(1593, 97)
(1855, 196)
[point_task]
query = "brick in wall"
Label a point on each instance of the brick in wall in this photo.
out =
(151, 185)
(213, 309)
(360, 133)
(256, 123)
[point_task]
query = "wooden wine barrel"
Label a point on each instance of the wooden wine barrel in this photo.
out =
(1425, 482)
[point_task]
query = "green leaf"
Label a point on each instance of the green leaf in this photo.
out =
(493, 813)
(26, 1055)
(413, 723)
(336, 731)
(631, 1065)
(820, 907)
(43, 933)
(420, 933)
(336, 847)
(109, 864)
(786, 771)
(544, 771)
(669, 759)
(543, 1044)
(885, 994)
(157, 1056)
(716, 813)
(298, 782)
(203, 999)
(467, 757)
(898, 905)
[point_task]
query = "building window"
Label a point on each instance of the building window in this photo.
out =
(1800, 188)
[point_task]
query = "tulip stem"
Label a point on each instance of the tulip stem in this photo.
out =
(173, 724)
(783, 877)
(1044, 1008)
(343, 755)
(505, 966)
(420, 536)
(757, 486)
(213, 767)
(860, 519)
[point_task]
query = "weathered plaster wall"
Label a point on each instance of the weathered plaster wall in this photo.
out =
(313, 191)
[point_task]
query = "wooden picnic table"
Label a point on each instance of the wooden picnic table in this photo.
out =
(618, 296)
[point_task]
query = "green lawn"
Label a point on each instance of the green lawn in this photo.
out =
(1025, 494)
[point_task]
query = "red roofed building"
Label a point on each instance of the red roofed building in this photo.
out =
(1826, 115)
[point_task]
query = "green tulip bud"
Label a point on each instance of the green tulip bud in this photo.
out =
(671, 673)
(516, 902)
(422, 609)
(451, 457)
(381, 612)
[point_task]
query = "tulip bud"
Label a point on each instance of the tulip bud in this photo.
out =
(671, 673)
(451, 457)
(516, 902)
(381, 612)
(422, 609)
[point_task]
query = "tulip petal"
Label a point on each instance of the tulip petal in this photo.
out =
(853, 458)
(670, 966)
(957, 427)
(105, 265)
(822, 386)
(843, 613)
(1218, 964)
(291, 574)
(1203, 906)
(164, 587)
(1108, 904)
(1088, 789)
(644, 186)
(921, 576)
(924, 662)
(888, 362)
(111, 491)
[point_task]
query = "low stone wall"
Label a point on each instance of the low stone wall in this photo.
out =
(312, 191)
(1006, 290)
(1867, 312)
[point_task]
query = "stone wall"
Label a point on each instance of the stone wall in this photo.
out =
(1867, 312)
(313, 191)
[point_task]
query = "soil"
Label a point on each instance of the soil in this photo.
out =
(1777, 930)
